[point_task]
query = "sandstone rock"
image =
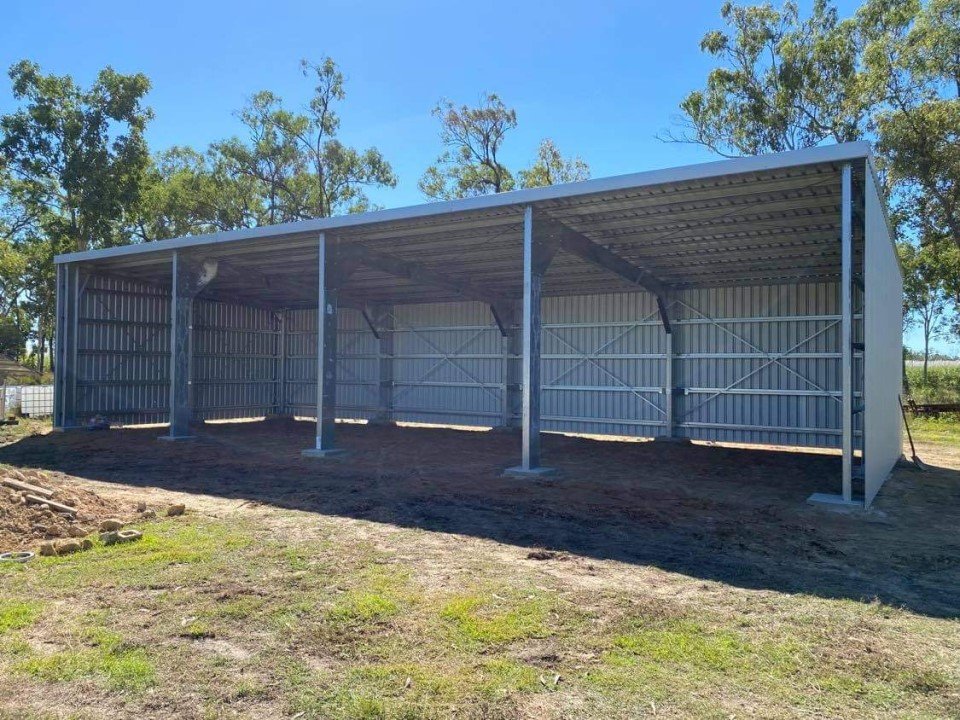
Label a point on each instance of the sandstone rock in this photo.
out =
(77, 531)
(149, 514)
(65, 547)
(177, 509)
(109, 538)
(110, 524)
(141, 507)
(48, 549)
(86, 543)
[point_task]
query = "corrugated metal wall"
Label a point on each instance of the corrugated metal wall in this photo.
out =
(123, 355)
(757, 364)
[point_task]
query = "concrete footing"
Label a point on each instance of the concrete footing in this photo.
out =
(322, 454)
(673, 440)
(829, 501)
(176, 438)
(523, 472)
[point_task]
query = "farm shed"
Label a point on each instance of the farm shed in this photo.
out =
(754, 300)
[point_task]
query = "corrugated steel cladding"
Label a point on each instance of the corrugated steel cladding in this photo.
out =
(771, 352)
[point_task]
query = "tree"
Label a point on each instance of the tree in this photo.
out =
(472, 136)
(925, 300)
(551, 168)
(911, 57)
(471, 165)
(298, 166)
(79, 155)
(73, 162)
(783, 83)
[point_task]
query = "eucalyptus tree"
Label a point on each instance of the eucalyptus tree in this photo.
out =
(471, 163)
(73, 161)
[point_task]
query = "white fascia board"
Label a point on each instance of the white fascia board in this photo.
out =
(701, 171)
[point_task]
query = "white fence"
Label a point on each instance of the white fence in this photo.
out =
(33, 400)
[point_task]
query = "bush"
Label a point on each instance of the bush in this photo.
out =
(942, 384)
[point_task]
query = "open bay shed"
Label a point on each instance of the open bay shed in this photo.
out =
(754, 300)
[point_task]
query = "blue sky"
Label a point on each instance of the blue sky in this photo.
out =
(601, 78)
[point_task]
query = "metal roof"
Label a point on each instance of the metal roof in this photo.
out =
(759, 220)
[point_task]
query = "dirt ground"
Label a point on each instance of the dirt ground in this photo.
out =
(734, 515)
(411, 580)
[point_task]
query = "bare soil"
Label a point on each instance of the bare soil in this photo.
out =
(735, 515)
(23, 526)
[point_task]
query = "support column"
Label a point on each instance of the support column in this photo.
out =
(845, 499)
(181, 331)
(536, 259)
(188, 278)
(326, 355)
(280, 400)
(505, 315)
(383, 318)
(668, 400)
(846, 309)
(65, 345)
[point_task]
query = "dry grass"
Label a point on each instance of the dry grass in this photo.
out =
(251, 610)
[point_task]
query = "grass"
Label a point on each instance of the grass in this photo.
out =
(105, 656)
(944, 430)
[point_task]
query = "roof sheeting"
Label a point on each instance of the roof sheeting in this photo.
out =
(759, 220)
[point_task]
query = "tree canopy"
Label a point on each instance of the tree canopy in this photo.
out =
(471, 162)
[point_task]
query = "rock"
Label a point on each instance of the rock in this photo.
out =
(39, 529)
(177, 509)
(141, 507)
(110, 524)
(149, 514)
(45, 507)
(54, 531)
(109, 538)
(86, 543)
(65, 547)
(77, 531)
(48, 549)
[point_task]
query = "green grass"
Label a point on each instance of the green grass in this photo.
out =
(941, 386)
(491, 620)
(16, 614)
(105, 656)
(944, 430)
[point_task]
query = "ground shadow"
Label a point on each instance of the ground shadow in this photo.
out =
(728, 514)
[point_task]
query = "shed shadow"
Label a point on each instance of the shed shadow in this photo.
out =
(732, 515)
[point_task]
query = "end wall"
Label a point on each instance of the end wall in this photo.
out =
(883, 337)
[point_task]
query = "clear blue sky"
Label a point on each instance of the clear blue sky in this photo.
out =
(601, 78)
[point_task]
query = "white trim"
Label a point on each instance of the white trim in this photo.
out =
(518, 198)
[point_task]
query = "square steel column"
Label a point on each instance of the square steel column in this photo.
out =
(845, 498)
(534, 267)
(668, 400)
(385, 322)
(326, 355)
(846, 309)
(65, 345)
(181, 331)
